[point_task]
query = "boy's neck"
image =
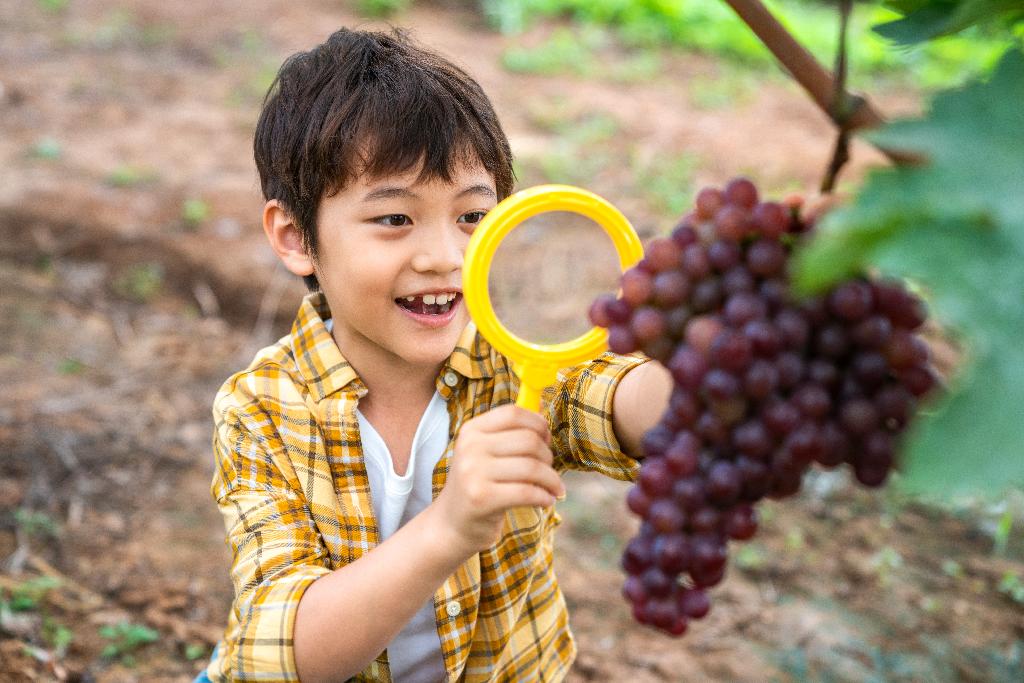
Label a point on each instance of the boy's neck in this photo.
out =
(391, 384)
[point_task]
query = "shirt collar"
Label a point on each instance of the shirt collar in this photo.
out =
(325, 370)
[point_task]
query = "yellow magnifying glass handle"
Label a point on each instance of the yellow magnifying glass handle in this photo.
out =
(537, 365)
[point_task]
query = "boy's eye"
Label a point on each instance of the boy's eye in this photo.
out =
(473, 217)
(394, 220)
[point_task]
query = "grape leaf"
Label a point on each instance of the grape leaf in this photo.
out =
(956, 226)
(927, 19)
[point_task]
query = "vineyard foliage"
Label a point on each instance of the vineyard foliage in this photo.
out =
(954, 225)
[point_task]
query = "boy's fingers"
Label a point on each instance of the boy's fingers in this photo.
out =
(517, 494)
(520, 442)
(528, 471)
(509, 417)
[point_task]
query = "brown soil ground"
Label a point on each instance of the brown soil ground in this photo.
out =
(121, 318)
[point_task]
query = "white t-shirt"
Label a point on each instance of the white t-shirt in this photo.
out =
(414, 656)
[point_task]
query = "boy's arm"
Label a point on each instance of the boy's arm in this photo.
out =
(638, 403)
(598, 411)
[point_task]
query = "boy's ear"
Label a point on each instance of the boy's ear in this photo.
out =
(285, 238)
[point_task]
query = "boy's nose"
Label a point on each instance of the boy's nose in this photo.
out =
(440, 251)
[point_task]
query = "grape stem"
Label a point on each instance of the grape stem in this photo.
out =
(814, 78)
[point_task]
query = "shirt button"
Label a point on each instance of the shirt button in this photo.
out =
(453, 608)
(450, 378)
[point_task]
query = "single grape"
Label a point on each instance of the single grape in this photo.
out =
(731, 223)
(685, 406)
(918, 379)
(638, 555)
(672, 552)
(858, 416)
(619, 311)
(657, 440)
(823, 372)
(694, 603)
(683, 455)
(724, 482)
(771, 219)
(701, 332)
(793, 327)
(852, 301)
(648, 324)
(764, 337)
(741, 522)
(752, 438)
(870, 368)
(598, 312)
(781, 417)
(621, 339)
(732, 351)
(638, 501)
(705, 520)
(684, 235)
(695, 262)
(833, 342)
(766, 257)
(655, 477)
(724, 254)
(656, 582)
(709, 201)
(706, 295)
(689, 494)
(791, 369)
(837, 448)
(720, 384)
(812, 400)
(676, 320)
(741, 192)
(737, 279)
(670, 288)
(688, 367)
(761, 379)
(666, 516)
(637, 287)
(664, 254)
(744, 307)
(873, 332)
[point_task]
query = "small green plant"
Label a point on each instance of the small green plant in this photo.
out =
(952, 569)
(46, 148)
(27, 596)
(382, 8)
(36, 523)
(70, 366)
(58, 636)
(141, 282)
(1012, 586)
(127, 175)
(194, 211)
(125, 638)
(52, 5)
(194, 651)
(885, 563)
(750, 558)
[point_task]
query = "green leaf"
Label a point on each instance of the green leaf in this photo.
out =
(927, 20)
(956, 226)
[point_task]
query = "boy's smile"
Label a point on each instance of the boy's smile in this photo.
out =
(390, 265)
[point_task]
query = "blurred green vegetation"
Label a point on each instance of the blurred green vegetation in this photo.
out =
(711, 27)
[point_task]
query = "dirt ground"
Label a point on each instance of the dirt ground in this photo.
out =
(134, 279)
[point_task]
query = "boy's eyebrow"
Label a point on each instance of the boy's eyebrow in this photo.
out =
(480, 190)
(392, 192)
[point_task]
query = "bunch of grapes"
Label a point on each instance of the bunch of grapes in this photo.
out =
(765, 384)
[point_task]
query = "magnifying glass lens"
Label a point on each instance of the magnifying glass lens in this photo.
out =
(547, 271)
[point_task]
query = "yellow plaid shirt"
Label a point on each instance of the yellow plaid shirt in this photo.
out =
(292, 487)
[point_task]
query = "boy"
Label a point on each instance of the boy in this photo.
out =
(389, 509)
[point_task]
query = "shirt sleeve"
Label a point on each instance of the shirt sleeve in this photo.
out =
(579, 412)
(276, 550)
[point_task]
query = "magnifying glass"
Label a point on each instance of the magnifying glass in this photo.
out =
(537, 365)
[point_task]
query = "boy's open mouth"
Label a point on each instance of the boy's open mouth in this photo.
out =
(430, 304)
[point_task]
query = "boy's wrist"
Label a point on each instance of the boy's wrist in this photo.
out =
(445, 536)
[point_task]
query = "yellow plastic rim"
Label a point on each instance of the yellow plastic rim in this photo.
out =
(537, 364)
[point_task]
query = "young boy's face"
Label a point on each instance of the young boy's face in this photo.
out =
(383, 240)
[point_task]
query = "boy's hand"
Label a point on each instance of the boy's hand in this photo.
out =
(502, 460)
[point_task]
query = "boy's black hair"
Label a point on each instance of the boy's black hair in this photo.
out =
(375, 103)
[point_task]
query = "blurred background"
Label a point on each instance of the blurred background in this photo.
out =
(134, 278)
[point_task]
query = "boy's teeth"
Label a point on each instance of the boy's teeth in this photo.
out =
(410, 299)
(442, 299)
(428, 299)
